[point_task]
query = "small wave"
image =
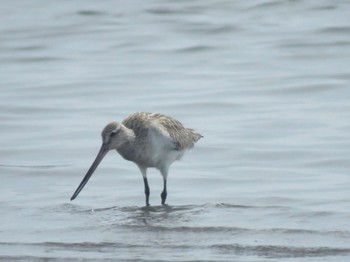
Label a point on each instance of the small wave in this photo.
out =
(195, 48)
(90, 13)
(34, 166)
(281, 251)
(74, 245)
(37, 59)
(335, 30)
(163, 11)
(267, 251)
(154, 209)
(224, 205)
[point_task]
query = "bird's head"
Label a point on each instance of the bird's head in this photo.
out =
(113, 136)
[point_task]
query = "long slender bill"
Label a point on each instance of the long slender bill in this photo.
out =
(98, 159)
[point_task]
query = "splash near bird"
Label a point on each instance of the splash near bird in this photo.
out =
(148, 140)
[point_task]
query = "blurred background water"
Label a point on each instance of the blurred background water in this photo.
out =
(265, 82)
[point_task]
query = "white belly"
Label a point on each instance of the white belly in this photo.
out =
(161, 150)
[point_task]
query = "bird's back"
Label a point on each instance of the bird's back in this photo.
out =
(143, 123)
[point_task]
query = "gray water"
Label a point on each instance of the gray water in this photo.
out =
(265, 82)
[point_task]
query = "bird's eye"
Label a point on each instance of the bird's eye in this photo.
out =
(113, 133)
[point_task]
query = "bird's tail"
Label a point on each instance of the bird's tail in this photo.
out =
(195, 134)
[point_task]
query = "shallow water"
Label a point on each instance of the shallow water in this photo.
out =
(265, 82)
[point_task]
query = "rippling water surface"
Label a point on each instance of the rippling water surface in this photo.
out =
(266, 83)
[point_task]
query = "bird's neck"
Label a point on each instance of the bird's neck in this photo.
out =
(126, 150)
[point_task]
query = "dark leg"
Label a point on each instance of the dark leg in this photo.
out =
(147, 191)
(164, 193)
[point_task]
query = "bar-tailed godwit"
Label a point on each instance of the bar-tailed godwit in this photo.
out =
(148, 140)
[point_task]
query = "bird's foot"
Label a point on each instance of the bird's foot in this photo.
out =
(163, 196)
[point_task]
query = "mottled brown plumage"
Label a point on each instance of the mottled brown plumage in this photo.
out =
(142, 122)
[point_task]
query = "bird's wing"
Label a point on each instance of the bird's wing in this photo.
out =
(181, 137)
(139, 123)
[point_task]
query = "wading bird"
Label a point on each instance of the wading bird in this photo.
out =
(148, 140)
